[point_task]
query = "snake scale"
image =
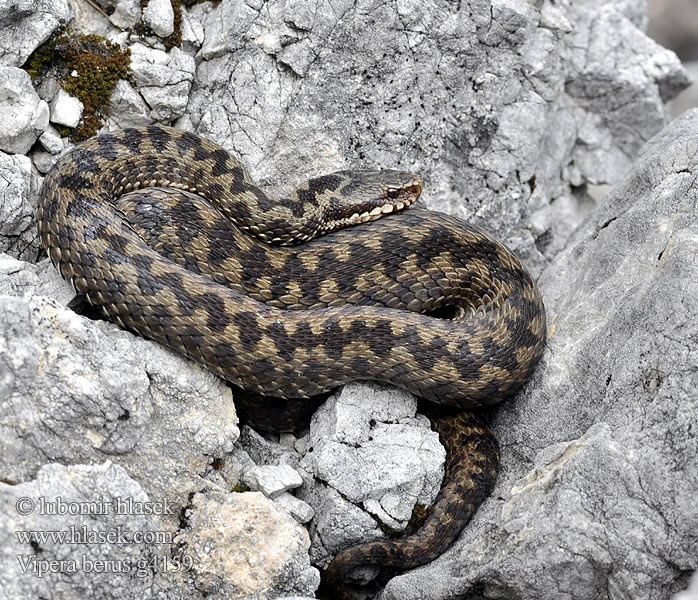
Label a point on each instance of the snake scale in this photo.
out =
(166, 233)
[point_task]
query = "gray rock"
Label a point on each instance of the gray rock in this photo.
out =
(243, 546)
(52, 141)
(66, 109)
(689, 97)
(192, 31)
(600, 456)
(126, 13)
(36, 564)
(267, 452)
(18, 189)
(501, 110)
(272, 480)
(164, 80)
(159, 16)
(26, 24)
(299, 510)
(43, 161)
(369, 450)
(127, 107)
(77, 391)
(23, 114)
(19, 278)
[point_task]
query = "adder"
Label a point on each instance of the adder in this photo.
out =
(166, 233)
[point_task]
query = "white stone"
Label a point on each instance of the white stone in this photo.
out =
(299, 510)
(272, 480)
(23, 115)
(66, 109)
(192, 31)
(126, 13)
(43, 161)
(159, 16)
(51, 141)
(127, 107)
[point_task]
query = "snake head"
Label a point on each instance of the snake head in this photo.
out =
(363, 196)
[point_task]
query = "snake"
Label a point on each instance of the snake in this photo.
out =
(166, 234)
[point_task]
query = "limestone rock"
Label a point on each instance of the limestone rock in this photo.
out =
(66, 109)
(502, 106)
(299, 510)
(26, 24)
(164, 79)
(126, 13)
(23, 114)
(18, 188)
(77, 391)
(369, 449)
(19, 278)
(127, 107)
(159, 16)
(243, 546)
(272, 480)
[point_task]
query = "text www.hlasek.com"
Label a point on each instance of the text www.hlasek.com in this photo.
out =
(83, 535)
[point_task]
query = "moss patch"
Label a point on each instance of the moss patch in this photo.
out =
(88, 67)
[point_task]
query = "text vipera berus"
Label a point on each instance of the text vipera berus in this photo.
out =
(416, 299)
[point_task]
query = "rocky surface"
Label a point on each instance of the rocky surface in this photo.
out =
(80, 502)
(164, 80)
(223, 537)
(26, 24)
(19, 186)
(24, 114)
(511, 110)
(76, 391)
(597, 492)
(367, 449)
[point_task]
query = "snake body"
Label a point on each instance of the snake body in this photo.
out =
(168, 235)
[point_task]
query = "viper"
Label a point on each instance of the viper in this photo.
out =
(168, 236)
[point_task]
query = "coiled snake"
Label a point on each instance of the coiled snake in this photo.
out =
(167, 234)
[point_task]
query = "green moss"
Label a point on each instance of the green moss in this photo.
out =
(88, 67)
(240, 488)
(175, 39)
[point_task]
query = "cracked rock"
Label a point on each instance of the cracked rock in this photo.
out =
(18, 188)
(243, 545)
(164, 80)
(19, 278)
(75, 391)
(23, 114)
(502, 106)
(26, 24)
(370, 449)
(127, 107)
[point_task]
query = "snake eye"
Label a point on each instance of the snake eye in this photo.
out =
(393, 193)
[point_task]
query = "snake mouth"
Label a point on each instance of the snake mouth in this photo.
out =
(404, 200)
(378, 212)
